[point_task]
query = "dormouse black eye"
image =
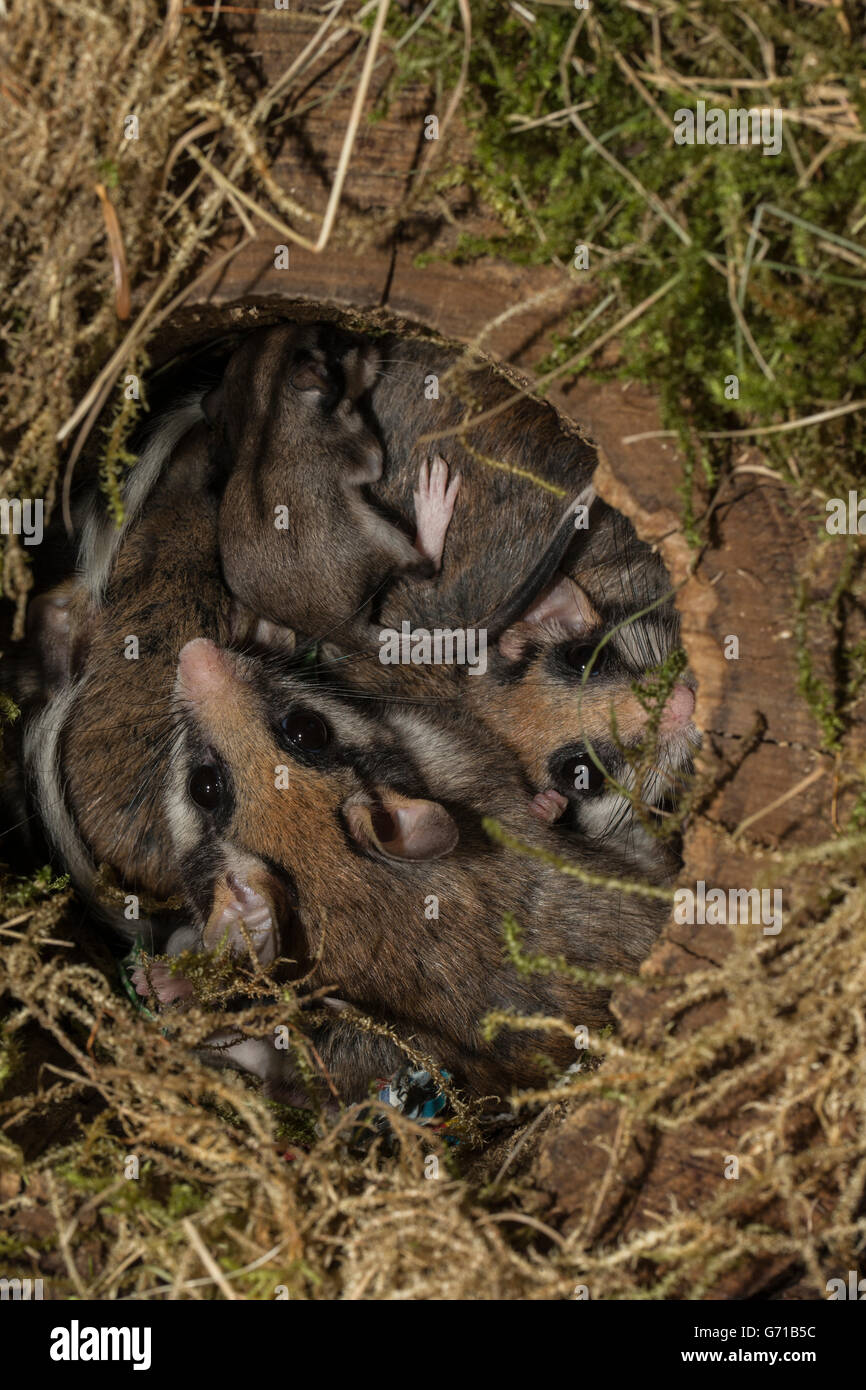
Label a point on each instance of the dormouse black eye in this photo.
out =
(577, 656)
(206, 787)
(579, 773)
(306, 731)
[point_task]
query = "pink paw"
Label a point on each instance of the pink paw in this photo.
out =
(434, 507)
(548, 806)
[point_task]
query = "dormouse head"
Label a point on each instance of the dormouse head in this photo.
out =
(304, 835)
(577, 691)
(291, 388)
(108, 650)
(282, 797)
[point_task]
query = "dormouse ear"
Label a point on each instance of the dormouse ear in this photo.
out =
(565, 604)
(52, 634)
(401, 828)
(361, 367)
(311, 375)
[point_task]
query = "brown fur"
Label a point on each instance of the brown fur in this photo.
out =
(288, 431)
(362, 916)
(520, 714)
(165, 589)
(504, 520)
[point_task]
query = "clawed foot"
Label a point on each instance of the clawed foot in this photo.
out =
(434, 506)
(246, 627)
(548, 806)
(157, 979)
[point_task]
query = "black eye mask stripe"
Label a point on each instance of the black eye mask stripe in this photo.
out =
(561, 766)
(220, 815)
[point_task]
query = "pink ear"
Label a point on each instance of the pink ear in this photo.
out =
(400, 828)
(565, 603)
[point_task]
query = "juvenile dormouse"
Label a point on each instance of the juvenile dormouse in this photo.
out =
(98, 752)
(563, 691)
(505, 522)
(299, 541)
(95, 747)
(560, 707)
(347, 838)
(567, 690)
(519, 468)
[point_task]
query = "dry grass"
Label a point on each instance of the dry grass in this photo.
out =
(335, 1217)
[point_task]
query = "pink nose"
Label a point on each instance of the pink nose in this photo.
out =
(202, 669)
(678, 710)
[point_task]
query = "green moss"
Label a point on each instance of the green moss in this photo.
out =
(830, 699)
(9, 711)
(23, 892)
(551, 190)
(100, 1160)
(117, 458)
(109, 173)
(857, 815)
(540, 964)
(10, 1056)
